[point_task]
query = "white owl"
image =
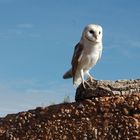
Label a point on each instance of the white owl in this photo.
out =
(86, 54)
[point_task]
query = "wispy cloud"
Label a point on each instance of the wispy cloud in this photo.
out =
(119, 40)
(21, 30)
(134, 43)
(6, 0)
(21, 95)
(25, 25)
(122, 47)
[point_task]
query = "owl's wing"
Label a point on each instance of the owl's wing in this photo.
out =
(100, 51)
(76, 57)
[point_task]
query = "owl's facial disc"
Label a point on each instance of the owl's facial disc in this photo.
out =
(93, 33)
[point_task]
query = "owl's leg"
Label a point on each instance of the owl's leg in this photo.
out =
(90, 77)
(82, 77)
(83, 81)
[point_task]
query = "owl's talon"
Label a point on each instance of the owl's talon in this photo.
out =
(91, 79)
(83, 83)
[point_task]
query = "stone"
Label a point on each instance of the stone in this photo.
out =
(101, 112)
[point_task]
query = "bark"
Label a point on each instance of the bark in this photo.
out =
(107, 88)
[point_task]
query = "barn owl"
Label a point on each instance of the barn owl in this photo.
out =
(86, 54)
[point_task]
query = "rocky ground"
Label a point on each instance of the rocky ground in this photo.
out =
(99, 118)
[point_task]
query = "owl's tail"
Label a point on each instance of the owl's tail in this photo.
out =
(68, 74)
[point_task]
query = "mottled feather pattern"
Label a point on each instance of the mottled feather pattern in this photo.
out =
(75, 59)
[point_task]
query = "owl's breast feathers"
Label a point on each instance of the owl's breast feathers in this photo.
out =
(85, 56)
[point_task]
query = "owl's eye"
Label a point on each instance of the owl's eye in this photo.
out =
(99, 32)
(91, 31)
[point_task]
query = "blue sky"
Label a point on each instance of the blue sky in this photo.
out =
(37, 38)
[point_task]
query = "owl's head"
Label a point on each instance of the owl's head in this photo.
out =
(93, 33)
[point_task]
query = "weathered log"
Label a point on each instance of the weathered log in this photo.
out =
(101, 88)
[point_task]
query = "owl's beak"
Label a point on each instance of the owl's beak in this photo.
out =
(95, 36)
